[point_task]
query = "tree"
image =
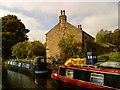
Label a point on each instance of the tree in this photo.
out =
(68, 46)
(36, 48)
(20, 50)
(13, 31)
(28, 49)
(108, 37)
(104, 36)
(116, 38)
(100, 36)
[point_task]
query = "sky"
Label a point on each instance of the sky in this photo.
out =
(40, 17)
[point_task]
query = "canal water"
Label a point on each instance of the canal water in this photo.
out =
(12, 79)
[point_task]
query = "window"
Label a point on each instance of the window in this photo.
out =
(27, 66)
(97, 78)
(11, 62)
(90, 57)
(8, 62)
(14, 63)
(19, 65)
(94, 57)
(69, 73)
(23, 64)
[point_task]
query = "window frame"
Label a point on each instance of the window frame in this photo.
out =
(94, 76)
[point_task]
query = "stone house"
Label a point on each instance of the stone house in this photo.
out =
(62, 29)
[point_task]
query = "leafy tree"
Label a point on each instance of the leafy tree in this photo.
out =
(104, 36)
(20, 50)
(13, 31)
(68, 46)
(108, 37)
(116, 38)
(36, 48)
(100, 36)
(28, 49)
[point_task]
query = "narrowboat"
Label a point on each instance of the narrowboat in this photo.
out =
(36, 66)
(103, 76)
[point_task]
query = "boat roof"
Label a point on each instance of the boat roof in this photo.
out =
(20, 60)
(112, 64)
(93, 68)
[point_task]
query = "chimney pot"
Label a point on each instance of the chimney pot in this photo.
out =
(62, 17)
(79, 26)
(62, 12)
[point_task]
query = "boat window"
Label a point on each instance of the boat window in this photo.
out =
(14, 63)
(8, 62)
(69, 73)
(19, 65)
(11, 62)
(97, 78)
(27, 66)
(23, 65)
(62, 71)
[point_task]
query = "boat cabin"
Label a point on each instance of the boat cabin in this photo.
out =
(37, 66)
(90, 74)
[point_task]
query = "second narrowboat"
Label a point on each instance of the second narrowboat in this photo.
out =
(37, 66)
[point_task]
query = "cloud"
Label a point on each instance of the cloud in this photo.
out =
(96, 22)
(37, 35)
(98, 16)
(31, 23)
(60, 0)
(40, 17)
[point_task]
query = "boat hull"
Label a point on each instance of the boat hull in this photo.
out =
(55, 75)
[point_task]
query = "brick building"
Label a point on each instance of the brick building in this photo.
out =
(64, 28)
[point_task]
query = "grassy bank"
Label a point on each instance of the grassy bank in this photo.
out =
(113, 56)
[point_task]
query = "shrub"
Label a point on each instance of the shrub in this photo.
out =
(113, 56)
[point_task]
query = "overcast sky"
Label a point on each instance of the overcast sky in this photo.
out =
(40, 17)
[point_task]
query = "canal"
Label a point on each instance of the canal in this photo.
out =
(12, 79)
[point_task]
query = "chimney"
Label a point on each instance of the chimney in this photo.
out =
(62, 17)
(80, 27)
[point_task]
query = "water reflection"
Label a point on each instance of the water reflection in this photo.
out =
(44, 82)
(13, 79)
(18, 80)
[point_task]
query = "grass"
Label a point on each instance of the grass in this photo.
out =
(113, 56)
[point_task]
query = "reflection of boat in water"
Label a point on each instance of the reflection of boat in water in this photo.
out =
(104, 76)
(37, 66)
